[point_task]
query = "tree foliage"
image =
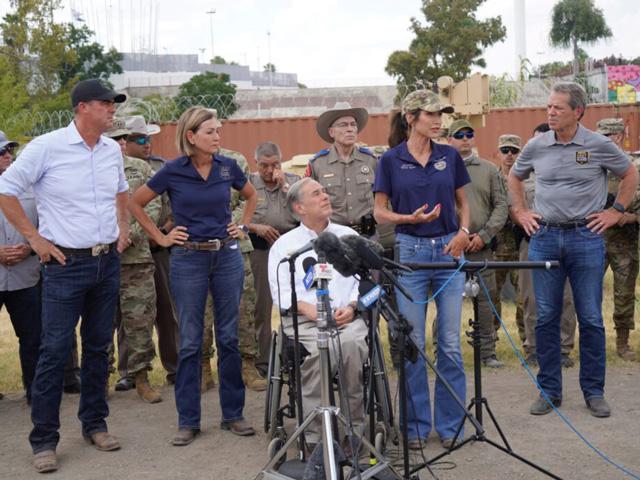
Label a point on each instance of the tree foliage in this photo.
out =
(210, 83)
(269, 67)
(450, 42)
(574, 22)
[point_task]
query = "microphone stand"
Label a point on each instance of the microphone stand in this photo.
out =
(472, 288)
(327, 411)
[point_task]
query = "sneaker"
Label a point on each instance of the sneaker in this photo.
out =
(566, 361)
(417, 443)
(598, 406)
(492, 362)
(542, 407)
(447, 443)
(532, 360)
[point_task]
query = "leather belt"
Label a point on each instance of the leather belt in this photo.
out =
(95, 251)
(572, 224)
(210, 245)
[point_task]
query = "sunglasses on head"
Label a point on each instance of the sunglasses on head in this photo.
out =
(6, 150)
(511, 150)
(139, 140)
(463, 134)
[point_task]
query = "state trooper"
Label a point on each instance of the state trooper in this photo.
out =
(271, 219)
(345, 170)
(621, 243)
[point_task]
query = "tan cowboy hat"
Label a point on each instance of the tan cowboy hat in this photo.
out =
(340, 109)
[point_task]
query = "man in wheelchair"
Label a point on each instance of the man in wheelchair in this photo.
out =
(309, 202)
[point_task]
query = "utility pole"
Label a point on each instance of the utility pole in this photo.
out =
(269, 55)
(211, 13)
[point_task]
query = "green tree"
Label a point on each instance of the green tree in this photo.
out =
(209, 84)
(574, 22)
(269, 67)
(450, 43)
(88, 58)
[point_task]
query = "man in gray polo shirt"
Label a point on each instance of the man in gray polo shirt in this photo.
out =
(566, 224)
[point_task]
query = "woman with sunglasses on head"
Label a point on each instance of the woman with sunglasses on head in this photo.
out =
(423, 182)
(204, 257)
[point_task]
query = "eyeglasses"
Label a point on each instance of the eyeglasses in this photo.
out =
(460, 135)
(346, 125)
(511, 150)
(6, 150)
(139, 140)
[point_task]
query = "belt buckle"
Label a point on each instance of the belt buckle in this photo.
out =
(99, 249)
(215, 243)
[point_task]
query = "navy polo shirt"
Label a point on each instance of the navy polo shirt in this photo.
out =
(200, 205)
(409, 185)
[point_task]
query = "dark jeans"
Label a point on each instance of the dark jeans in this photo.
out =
(581, 256)
(87, 287)
(24, 307)
(193, 273)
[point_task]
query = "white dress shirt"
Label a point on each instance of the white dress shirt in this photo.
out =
(342, 290)
(75, 186)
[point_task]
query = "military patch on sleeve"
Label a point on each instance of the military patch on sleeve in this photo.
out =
(582, 157)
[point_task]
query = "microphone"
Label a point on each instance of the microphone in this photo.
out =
(369, 254)
(336, 253)
(309, 279)
(292, 255)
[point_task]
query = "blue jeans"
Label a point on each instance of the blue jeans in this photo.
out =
(85, 287)
(581, 254)
(447, 414)
(193, 273)
(24, 307)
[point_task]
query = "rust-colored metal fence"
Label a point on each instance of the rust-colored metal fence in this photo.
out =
(298, 135)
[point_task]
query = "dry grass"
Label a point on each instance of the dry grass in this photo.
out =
(10, 366)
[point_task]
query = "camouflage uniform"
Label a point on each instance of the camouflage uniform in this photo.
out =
(622, 254)
(137, 301)
(246, 328)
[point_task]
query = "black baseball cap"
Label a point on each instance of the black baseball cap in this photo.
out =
(94, 89)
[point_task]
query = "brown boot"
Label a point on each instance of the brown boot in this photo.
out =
(145, 392)
(251, 377)
(622, 345)
(207, 382)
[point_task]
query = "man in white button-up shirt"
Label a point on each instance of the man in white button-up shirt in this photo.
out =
(77, 177)
(309, 202)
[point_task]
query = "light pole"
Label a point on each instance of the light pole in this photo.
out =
(211, 13)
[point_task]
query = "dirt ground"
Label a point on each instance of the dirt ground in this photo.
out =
(145, 430)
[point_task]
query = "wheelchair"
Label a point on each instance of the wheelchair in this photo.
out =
(281, 374)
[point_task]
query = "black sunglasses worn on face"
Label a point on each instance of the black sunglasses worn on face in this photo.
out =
(511, 150)
(460, 135)
(6, 150)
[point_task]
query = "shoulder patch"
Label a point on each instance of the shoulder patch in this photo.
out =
(366, 151)
(321, 153)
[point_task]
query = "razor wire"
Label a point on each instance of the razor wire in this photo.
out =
(155, 109)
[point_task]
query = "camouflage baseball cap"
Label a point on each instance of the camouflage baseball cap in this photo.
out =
(510, 140)
(424, 100)
(609, 126)
(118, 129)
(458, 125)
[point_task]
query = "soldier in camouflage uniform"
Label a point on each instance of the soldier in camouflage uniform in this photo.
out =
(621, 242)
(508, 239)
(139, 146)
(137, 299)
(246, 327)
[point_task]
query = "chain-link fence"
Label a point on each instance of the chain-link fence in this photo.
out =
(156, 109)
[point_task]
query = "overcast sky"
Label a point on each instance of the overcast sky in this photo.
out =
(328, 42)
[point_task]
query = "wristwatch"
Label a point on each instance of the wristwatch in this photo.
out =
(619, 207)
(244, 229)
(465, 230)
